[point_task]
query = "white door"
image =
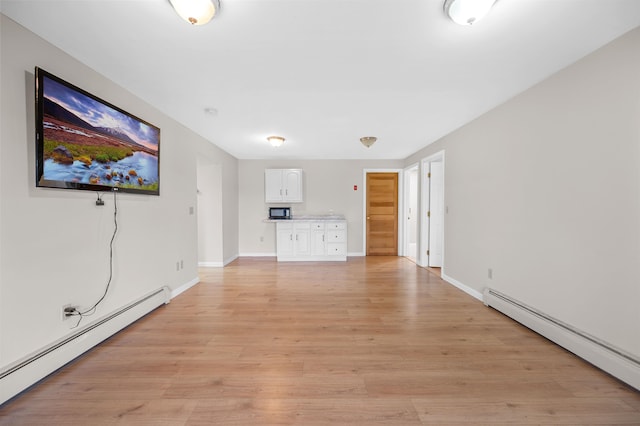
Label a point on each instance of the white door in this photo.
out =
(436, 213)
(411, 213)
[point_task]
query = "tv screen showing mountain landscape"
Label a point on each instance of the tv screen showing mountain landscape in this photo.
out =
(87, 143)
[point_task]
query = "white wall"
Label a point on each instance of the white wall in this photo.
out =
(54, 243)
(545, 190)
(327, 187)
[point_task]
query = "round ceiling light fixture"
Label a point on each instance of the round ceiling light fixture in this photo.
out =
(276, 140)
(368, 140)
(467, 12)
(196, 12)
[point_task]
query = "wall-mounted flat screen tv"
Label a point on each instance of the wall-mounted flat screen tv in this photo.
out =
(84, 142)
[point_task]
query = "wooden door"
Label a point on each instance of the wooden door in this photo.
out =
(382, 214)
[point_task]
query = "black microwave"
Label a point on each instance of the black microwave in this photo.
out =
(279, 212)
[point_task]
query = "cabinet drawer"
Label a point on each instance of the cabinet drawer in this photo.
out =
(336, 249)
(336, 225)
(317, 226)
(337, 236)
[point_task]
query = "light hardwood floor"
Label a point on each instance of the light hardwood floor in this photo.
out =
(376, 340)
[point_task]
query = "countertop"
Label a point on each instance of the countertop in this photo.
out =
(309, 218)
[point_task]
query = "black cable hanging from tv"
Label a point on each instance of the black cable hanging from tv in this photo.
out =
(92, 310)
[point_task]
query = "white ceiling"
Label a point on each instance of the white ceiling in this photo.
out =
(323, 73)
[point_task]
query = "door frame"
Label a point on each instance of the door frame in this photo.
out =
(400, 174)
(423, 240)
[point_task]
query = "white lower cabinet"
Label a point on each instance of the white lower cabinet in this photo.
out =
(299, 240)
(302, 239)
(293, 240)
(318, 239)
(337, 239)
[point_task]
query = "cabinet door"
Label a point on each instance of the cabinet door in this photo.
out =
(318, 239)
(273, 191)
(285, 239)
(292, 180)
(302, 239)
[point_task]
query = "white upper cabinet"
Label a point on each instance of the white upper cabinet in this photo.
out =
(283, 185)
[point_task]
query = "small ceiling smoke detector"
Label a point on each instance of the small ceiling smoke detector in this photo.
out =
(276, 140)
(368, 140)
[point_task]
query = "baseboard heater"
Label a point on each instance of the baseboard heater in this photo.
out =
(29, 370)
(614, 361)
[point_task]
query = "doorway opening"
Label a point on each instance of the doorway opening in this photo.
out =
(432, 220)
(209, 211)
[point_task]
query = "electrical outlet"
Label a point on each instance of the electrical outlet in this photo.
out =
(490, 273)
(67, 311)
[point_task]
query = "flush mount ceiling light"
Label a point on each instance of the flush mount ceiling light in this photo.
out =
(368, 140)
(276, 140)
(467, 12)
(196, 12)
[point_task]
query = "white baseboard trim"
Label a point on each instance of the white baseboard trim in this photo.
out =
(603, 355)
(470, 291)
(18, 376)
(230, 259)
(210, 264)
(184, 287)
(217, 264)
(352, 254)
